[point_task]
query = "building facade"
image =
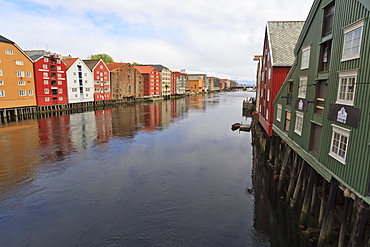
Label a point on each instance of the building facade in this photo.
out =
(165, 75)
(79, 80)
(152, 81)
(17, 84)
(101, 77)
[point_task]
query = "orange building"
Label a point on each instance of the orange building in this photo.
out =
(17, 84)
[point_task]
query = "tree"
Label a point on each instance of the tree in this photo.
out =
(136, 64)
(105, 57)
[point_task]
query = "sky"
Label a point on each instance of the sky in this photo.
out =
(214, 37)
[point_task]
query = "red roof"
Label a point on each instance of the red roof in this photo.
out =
(144, 69)
(69, 62)
(113, 66)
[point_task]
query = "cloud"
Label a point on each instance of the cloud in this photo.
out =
(211, 36)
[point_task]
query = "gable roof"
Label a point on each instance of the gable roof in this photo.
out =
(5, 40)
(283, 36)
(69, 62)
(113, 66)
(159, 67)
(91, 63)
(144, 69)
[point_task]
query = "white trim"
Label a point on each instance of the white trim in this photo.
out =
(279, 112)
(349, 74)
(342, 132)
(299, 115)
(302, 88)
(351, 29)
(304, 50)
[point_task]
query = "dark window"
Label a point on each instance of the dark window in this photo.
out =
(320, 97)
(315, 138)
(325, 54)
(328, 19)
(289, 93)
(54, 92)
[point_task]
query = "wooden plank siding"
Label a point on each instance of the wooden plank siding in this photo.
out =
(355, 173)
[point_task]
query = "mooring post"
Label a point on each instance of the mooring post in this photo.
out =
(328, 213)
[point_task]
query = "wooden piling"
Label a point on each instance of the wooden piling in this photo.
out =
(308, 196)
(359, 224)
(344, 224)
(297, 189)
(283, 167)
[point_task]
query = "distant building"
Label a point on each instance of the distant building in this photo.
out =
(126, 81)
(165, 75)
(50, 78)
(152, 81)
(101, 77)
(197, 82)
(178, 82)
(79, 80)
(17, 84)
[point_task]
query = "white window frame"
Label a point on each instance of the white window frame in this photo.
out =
(45, 74)
(345, 79)
(2, 93)
(8, 51)
(60, 90)
(22, 92)
(349, 52)
(305, 60)
(1, 72)
(335, 145)
(46, 59)
(302, 88)
(278, 112)
(20, 73)
(1, 83)
(28, 74)
(46, 82)
(21, 83)
(46, 90)
(45, 66)
(60, 98)
(47, 99)
(18, 62)
(267, 114)
(268, 94)
(298, 126)
(30, 92)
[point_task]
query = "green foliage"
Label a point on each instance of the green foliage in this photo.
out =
(136, 64)
(105, 57)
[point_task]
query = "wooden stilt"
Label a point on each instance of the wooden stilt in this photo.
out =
(359, 227)
(322, 204)
(313, 198)
(308, 196)
(343, 225)
(293, 177)
(298, 186)
(328, 211)
(283, 168)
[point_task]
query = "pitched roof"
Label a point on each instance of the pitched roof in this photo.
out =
(159, 67)
(144, 69)
(69, 62)
(5, 40)
(283, 36)
(113, 66)
(91, 63)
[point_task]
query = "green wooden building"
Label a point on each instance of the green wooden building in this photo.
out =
(322, 111)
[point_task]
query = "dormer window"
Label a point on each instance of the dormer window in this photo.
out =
(328, 19)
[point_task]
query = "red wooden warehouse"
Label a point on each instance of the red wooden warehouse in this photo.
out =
(277, 59)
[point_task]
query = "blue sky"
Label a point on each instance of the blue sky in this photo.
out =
(215, 37)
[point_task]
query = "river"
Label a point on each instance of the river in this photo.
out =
(167, 173)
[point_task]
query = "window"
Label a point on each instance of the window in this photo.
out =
(60, 98)
(346, 87)
(305, 57)
(21, 83)
(60, 82)
(278, 112)
(74, 73)
(339, 143)
(17, 62)
(46, 74)
(60, 90)
(46, 90)
(302, 87)
(267, 113)
(44, 66)
(1, 72)
(30, 92)
(20, 73)
(74, 90)
(287, 120)
(28, 74)
(47, 99)
(59, 68)
(352, 41)
(320, 97)
(22, 92)
(2, 93)
(268, 94)
(325, 55)
(59, 75)
(9, 52)
(1, 82)
(269, 74)
(315, 140)
(46, 59)
(328, 19)
(298, 123)
(87, 89)
(46, 82)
